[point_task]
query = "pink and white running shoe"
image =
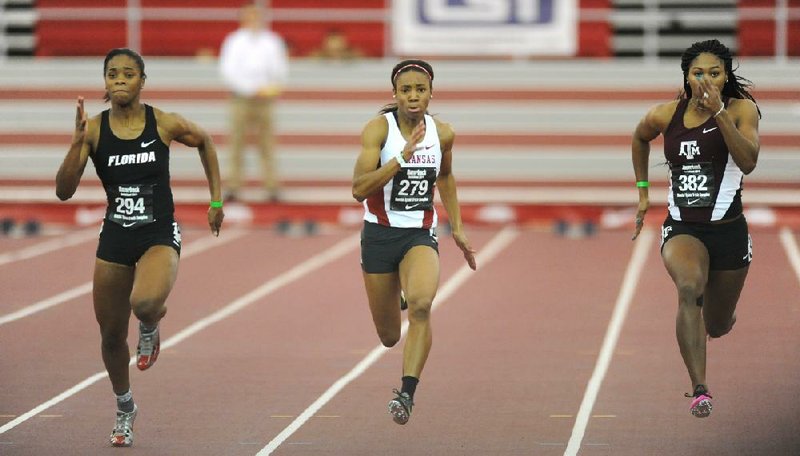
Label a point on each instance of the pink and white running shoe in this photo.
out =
(701, 402)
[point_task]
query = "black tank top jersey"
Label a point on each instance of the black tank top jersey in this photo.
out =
(705, 183)
(135, 174)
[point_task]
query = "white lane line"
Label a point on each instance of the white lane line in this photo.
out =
(49, 245)
(792, 250)
(194, 248)
(495, 245)
(629, 282)
(303, 269)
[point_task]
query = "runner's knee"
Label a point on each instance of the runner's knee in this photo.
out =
(389, 338)
(147, 308)
(689, 291)
(715, 330)
(114, 338)
(419, 310)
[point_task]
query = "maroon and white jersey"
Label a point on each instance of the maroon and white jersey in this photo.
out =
(705, 182)
(406, 201)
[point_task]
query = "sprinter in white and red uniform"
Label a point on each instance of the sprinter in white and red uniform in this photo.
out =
(710, 143)
(405, 155)
(139, 246)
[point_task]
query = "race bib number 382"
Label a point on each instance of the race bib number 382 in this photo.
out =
(693, 185)
(412, 189)
(130, 205)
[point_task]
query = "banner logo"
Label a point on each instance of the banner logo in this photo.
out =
(473, 28)
(485, 11)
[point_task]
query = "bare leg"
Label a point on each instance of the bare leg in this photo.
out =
(383, 293)
(419, 274)
(686, 260)
(722, 294)
(155, 276)
(111, 291)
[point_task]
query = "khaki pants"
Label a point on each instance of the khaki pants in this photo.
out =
(252, 116)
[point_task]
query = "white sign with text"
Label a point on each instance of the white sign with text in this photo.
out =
(484, 27)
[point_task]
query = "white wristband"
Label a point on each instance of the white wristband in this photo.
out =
(720, 111)
(400, 159)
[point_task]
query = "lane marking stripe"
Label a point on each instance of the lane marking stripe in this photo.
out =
(629, 282)
(49, 245)
(303, 269)
(194, 248)
(492, 248)
(792, 251)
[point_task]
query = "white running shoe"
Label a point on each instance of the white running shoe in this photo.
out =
(122, 435)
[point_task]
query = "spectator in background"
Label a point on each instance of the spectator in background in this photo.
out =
(335, 46)
(254, 66)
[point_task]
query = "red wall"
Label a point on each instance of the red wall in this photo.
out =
(757, 36)
(594, 37)
(187, 38)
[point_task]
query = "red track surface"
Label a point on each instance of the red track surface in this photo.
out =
(514, 347)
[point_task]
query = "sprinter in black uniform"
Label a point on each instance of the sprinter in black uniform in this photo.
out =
(137, 256)
(710, 143)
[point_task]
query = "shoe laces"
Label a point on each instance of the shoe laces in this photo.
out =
(699, 390)
(147, 342)
(124, 424)
(404, 399)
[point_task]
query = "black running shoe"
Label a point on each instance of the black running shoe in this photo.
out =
(400, 407)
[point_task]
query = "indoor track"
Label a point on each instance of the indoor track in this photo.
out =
(554, 346)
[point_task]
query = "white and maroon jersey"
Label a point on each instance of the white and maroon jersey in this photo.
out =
(705, 183)
(406, 201)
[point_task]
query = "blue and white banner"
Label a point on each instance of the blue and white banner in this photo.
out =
(484, 27)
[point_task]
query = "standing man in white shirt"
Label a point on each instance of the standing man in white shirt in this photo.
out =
(254, 66)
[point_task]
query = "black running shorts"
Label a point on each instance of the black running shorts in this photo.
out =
(126, 245)
(729, 245)
(383, 247)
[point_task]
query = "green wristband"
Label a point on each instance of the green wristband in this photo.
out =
(643, 184)
(216, 204)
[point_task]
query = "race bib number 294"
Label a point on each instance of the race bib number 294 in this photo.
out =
(130, 205)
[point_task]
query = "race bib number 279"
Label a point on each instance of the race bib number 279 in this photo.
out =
(412, 189)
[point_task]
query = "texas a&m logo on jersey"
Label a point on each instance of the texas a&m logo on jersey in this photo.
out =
(689, 149)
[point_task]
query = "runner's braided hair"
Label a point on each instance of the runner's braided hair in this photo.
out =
(735, 86)
(420, 66)
(123, 51)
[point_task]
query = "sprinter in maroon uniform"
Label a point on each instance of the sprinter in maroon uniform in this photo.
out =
(140, 241)
(710, 143)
